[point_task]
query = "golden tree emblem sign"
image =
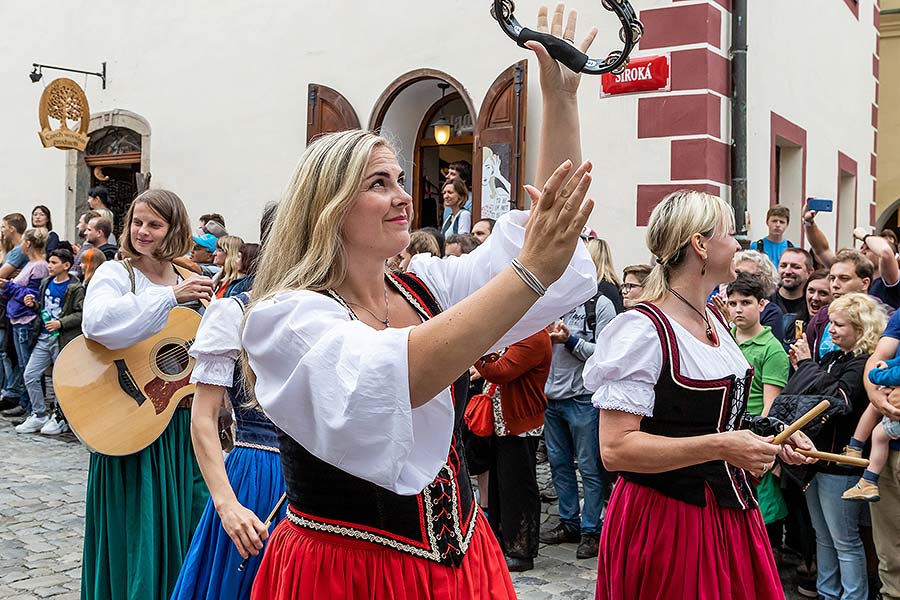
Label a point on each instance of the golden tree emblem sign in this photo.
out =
(64, 101)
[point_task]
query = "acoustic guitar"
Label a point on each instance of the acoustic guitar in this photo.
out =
(119, 402)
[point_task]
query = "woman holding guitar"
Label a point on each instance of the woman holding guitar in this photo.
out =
(141, 509)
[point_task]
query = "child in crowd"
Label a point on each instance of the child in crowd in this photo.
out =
(777, 219)
(59, 302)
(746, 299)
(882, 430)
(21, 317)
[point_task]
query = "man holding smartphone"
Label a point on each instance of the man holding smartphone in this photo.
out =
(885, 283)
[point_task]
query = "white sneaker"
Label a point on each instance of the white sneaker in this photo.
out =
(54, 426)
(32, 424)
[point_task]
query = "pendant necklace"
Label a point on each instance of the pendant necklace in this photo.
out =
(384, 321)
(703, 315)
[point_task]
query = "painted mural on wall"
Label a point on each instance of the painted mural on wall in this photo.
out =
(495, 186)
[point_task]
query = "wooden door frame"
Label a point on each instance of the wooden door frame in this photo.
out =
(422, 143)
(376, 120)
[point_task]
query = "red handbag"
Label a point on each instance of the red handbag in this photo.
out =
(479, 415)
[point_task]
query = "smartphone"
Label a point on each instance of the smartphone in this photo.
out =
(798, 329)
(819, 204)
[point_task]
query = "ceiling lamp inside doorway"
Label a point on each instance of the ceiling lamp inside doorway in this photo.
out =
(442, 125)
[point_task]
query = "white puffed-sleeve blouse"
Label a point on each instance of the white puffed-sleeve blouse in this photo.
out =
(628, 361)
(218, 344)
(341, 388)
(117, 318)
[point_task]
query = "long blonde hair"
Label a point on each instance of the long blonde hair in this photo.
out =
(866, 316)
(309, 252)
(674, 221)
(231, 245)
(602, 257)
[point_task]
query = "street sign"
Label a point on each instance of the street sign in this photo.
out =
(644, 74)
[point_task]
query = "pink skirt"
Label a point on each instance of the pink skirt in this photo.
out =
(301, 563)
(657, 548)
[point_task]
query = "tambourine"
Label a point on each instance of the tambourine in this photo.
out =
(576, 60)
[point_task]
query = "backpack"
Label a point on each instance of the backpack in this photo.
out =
(604, 288)
(758, 246)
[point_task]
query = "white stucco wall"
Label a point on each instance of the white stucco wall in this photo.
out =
(811, 62)
(223, 86)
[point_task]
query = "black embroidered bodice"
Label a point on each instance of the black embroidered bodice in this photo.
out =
(689, 407)
(437, 524)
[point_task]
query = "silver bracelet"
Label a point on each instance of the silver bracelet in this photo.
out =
(528, 277)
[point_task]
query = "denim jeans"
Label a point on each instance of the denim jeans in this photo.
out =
(11, 388)
(23, 339)
(571, 432)
(839, 549)
(42, 356)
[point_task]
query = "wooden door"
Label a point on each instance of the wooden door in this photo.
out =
(499, 167)
(327, 111)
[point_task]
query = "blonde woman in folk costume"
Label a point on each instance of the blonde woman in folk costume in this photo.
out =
(380, 504)
(141, 509)
(671, 385)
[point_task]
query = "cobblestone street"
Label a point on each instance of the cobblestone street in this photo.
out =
(42, 519)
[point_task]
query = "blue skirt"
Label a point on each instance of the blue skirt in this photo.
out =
(210, 568)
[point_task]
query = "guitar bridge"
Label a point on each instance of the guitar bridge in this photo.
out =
(127, 382)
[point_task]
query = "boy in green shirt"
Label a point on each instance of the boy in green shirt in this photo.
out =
(746, 299)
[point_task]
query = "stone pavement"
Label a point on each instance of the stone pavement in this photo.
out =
(42, 483)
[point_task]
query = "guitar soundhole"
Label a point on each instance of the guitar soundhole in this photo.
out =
(172, 359)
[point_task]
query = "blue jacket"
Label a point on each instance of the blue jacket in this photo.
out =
(889, 377)
(16, 293)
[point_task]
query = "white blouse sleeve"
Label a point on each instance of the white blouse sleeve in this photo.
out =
(625, 366)
(117, 318)
(341, 389)
(217, 346)
(454, 278)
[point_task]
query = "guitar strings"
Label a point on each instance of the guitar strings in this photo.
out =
(174, 354)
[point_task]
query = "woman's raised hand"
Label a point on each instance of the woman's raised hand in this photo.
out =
(554, 76)
(558, 214)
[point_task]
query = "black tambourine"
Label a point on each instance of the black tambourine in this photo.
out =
(561, 50)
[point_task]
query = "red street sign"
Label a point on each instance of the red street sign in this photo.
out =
(645, 74)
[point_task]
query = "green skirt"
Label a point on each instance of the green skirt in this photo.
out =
(140, 513)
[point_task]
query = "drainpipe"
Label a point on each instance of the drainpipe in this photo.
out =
(739, 115)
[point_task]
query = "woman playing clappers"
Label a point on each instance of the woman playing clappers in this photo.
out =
(141, 509)
(672, 385)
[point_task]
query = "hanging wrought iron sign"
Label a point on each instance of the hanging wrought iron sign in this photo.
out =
(629, 34)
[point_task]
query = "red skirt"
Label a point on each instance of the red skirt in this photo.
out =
(301, 563)
(657, 548)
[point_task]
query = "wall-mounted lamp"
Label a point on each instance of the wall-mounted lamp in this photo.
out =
(442, 125)
(37, 73)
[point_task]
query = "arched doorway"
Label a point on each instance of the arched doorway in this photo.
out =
(404, 113)
(117, 157)
(433, 160)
